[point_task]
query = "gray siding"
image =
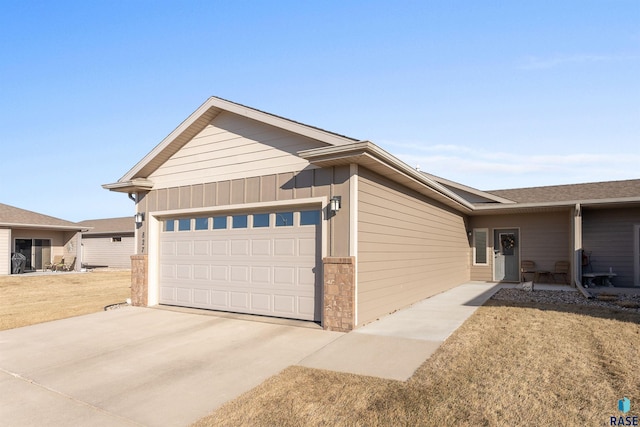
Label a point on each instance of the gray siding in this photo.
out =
(544, 238)
(102, 251)
(409, 247)
(283, 186)
(608, 235)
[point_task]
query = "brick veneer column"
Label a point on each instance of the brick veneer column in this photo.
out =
(139, 281)
(339, 293)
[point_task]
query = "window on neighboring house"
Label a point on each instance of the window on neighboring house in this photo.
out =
(480, 246)
(116, 239)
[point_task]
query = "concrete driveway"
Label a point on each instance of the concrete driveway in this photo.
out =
(136, 366)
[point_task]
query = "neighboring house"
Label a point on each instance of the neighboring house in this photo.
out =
(109, 243)
(38, 237)
(245, 211)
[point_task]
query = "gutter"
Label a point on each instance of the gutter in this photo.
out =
(357, 152)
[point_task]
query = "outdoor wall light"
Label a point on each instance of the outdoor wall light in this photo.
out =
(334, 204)
(139, 217)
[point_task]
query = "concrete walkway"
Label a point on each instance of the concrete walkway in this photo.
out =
(396, 345)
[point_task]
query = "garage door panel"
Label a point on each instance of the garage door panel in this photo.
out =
(219, 273)
(167, 271)
(283, 277)
(240, 247)
(167, 248)
(219, 247)
(284, 247)
(183, 295)
(261, 302)
(201, 248)
(306, 305)
(268, 270)
(261, 275)
(201, 272)
(284, 304)
(239, 300)
(183, 272)
(239, 274)
(260, 247)
(219, 299)
(202, 296)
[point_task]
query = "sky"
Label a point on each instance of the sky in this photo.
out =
(490, 94)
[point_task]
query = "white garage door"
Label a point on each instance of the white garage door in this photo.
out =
(258, 263)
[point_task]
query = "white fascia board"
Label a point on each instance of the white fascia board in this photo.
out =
(47, 227)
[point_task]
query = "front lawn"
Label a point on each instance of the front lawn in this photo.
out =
(28, 299)
(516, 364)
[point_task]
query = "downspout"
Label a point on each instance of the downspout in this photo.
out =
(577, 250)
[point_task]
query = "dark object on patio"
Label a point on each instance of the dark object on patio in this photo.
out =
(18, 262)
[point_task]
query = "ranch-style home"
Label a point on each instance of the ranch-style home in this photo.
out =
(40, 238)
(108, 242)
(245, 211)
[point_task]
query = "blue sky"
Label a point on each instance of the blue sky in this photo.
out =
(492, 94)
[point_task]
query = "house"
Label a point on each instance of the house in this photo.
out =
(245, 211)
(108, 242)
(36, 236)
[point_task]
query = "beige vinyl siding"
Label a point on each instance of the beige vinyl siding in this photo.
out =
(608, 235)
(103, 251)
(232, 147)
(409, 247)
(269, 188)
(544, 238)
(5, 251)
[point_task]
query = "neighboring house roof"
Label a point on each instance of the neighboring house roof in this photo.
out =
(121, 225)
(572, 192)
(11, 216)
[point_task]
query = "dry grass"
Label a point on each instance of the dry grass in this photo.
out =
(509, 364)
(27, 300)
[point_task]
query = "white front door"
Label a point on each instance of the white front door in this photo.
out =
(506, 255)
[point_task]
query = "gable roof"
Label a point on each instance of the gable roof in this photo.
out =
(572, 192)
(136, 178)
(10, 216)
(120, 225)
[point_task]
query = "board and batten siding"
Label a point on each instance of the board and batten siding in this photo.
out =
(232, 147)
(286, 186)
(545, 238)
(609, 235)
(5, 251)
(103, 251)
(409, 247)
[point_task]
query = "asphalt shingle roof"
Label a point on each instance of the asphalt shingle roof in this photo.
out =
(110, 225)
(572, 192)
(12, 215)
